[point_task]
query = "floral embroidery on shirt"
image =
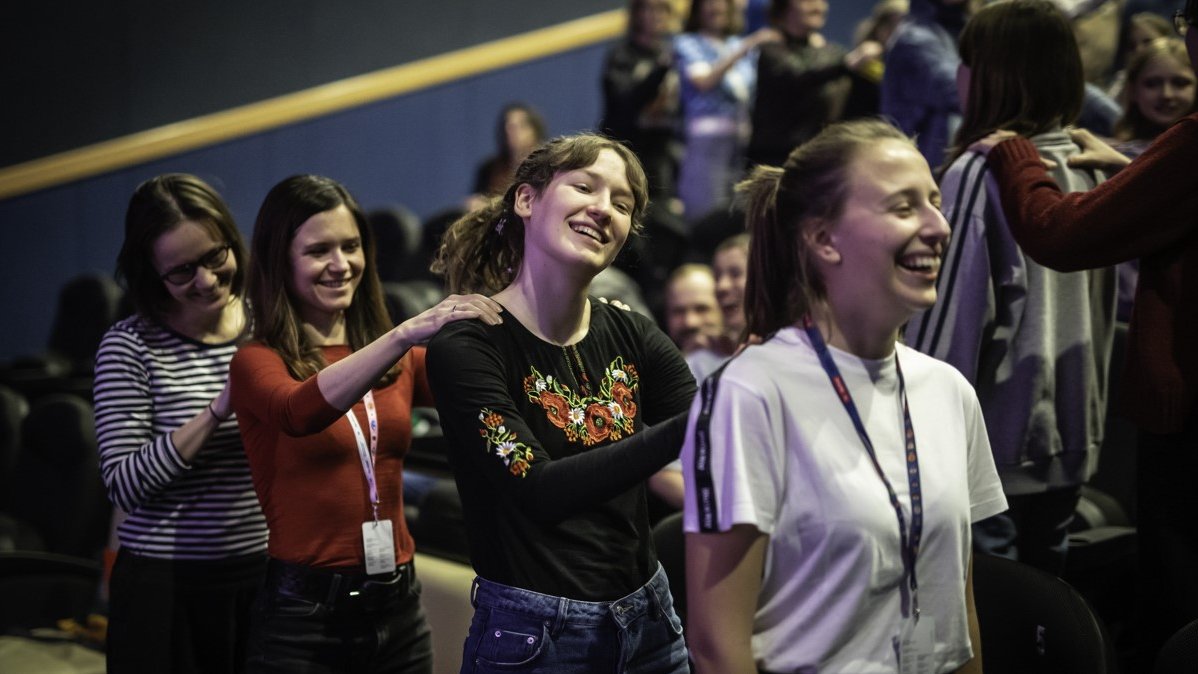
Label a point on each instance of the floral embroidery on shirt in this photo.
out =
(610, 415)
(516, 455)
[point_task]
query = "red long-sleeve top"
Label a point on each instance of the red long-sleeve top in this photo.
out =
(1149, 210)
(304, 458)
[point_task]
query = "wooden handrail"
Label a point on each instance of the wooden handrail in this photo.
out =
(219, 127)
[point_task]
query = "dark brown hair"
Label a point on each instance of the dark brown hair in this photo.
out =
(1025, 71)
(157, 206)
(694, 22)
(277, 322)
(782, 284)
(482, 251)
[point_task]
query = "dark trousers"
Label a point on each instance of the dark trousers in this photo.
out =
(180, 616)
(309, 620)
(1167, 531)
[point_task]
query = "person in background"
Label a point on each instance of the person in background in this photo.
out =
(1033, 342)
(802, 80)
(555, 419)
(640, 94)
(730, 263)
(1149, 210)
(1140, 29)
(1160, 90)
(324, 396)
(192, 548)
(520, 128)
(831, 472)
(865, 94)
(692, 316)
(919, 89)
(718, 71)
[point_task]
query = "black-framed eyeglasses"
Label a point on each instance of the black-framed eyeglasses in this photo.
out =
(184, 273)
(1186, 18)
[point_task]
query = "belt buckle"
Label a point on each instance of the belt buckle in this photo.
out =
(373, 595)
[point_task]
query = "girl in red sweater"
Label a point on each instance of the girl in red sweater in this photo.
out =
(324, 397)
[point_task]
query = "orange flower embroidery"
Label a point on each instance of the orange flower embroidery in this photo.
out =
(609, 415)
(502, 442)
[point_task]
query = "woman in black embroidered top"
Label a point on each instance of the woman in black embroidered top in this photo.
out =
(546, 416)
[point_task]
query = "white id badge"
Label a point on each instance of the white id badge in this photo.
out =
(379, 543)
(915, 649)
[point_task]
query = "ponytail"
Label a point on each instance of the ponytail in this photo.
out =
(772, 253)
(481, 251)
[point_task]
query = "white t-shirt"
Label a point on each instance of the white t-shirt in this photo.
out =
(786, 459)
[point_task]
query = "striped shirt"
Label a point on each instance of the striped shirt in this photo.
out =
(149, 382)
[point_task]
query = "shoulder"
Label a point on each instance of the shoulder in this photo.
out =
(255, 353)
(964, 177)
(920, 369)
(455, 335)
(138, 334)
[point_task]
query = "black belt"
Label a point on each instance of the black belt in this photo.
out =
(339, 588)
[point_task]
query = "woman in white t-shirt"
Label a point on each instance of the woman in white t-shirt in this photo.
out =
(806, 453)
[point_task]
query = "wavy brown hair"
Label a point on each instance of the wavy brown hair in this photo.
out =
(482, 251)
(277, 321)
(782, 284)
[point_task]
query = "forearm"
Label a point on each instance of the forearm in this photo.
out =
(189, 438)
(1145, 208)
(723, 580)
(345, 382)
(554, 490)
(974, 666)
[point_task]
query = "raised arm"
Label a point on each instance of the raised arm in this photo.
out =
(1144, 209)
(136, 463)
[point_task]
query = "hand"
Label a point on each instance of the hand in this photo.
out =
(817, 40)
(762, 36)
(423, 326)
(221, 405)
(985, 145)
(1095, 154)
(616, 303)
(866, 51)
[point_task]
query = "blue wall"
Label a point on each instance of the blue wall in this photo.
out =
(419, 150)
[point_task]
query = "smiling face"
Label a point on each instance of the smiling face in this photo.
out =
(326, 266)
(731, 273)
(691, 306)
(185, 244)
(882, 255)
(581, 219)
(1164, 90)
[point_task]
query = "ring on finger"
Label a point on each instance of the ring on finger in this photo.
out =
(455, 308)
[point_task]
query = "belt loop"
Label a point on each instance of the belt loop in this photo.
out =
(559, 620)
(474, 593)
(334, 586)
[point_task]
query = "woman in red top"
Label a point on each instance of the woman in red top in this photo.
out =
(324, 397)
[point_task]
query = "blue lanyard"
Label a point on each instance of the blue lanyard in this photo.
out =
(910, 543)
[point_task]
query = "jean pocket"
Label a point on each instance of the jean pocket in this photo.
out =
(287, 606)
(511, 639)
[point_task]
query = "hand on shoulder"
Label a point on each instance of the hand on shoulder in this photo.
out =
(423, 326)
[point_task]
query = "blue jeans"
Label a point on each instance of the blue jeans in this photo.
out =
(314, 621)
(517, 630)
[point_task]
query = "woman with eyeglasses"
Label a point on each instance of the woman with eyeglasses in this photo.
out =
(192, 550)
(1149, 210)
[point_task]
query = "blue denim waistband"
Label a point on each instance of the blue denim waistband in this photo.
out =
(652, 596)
